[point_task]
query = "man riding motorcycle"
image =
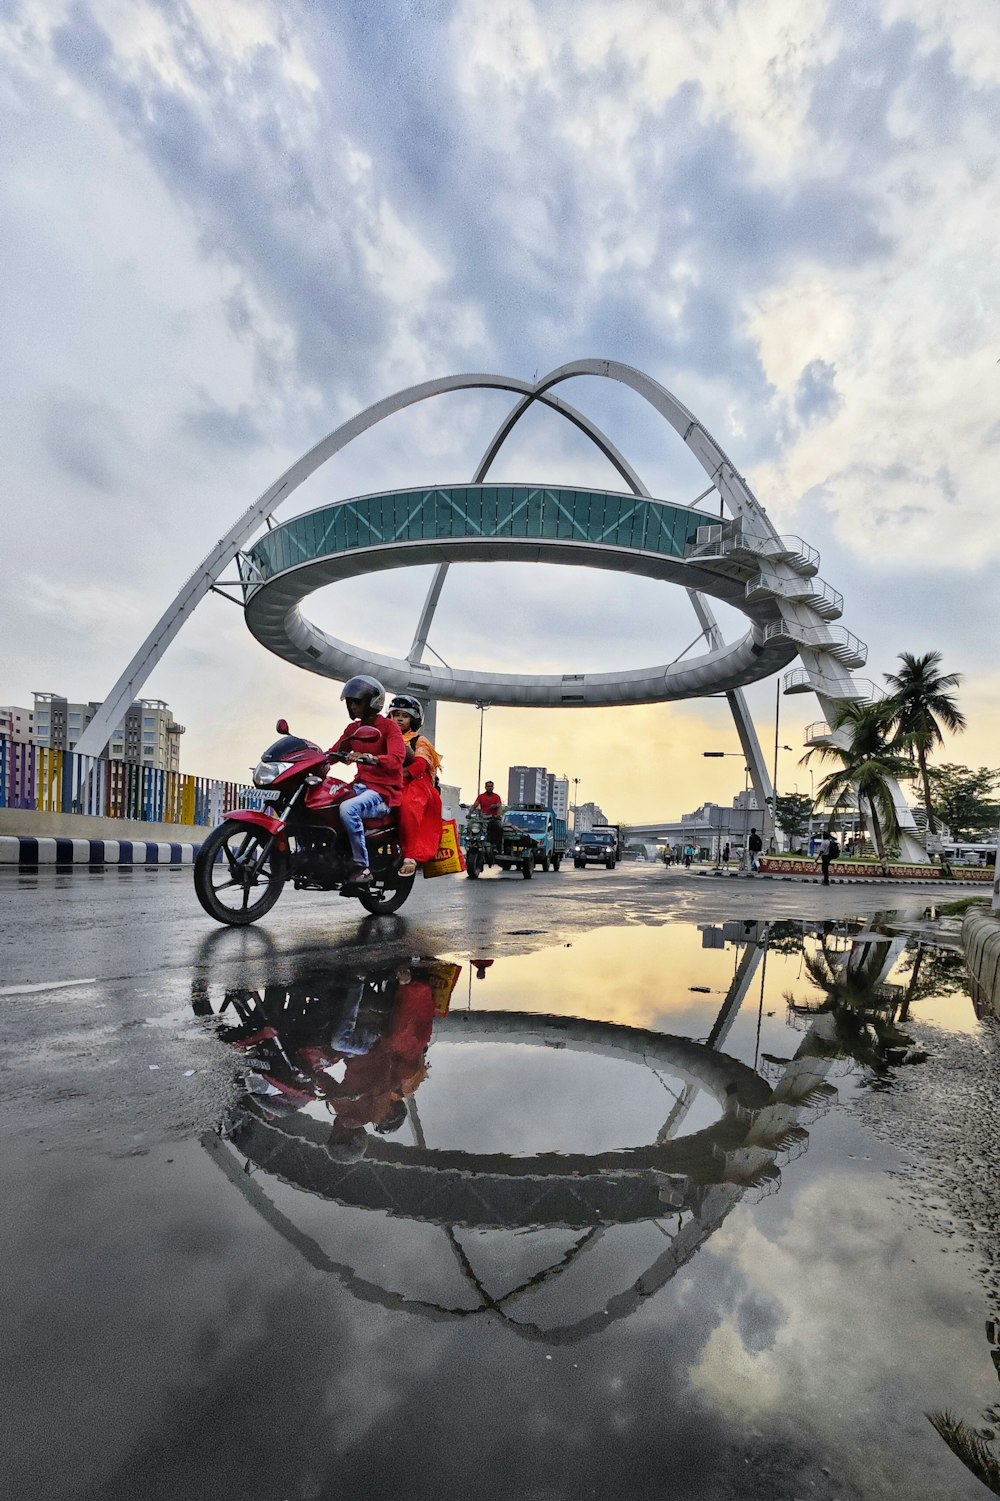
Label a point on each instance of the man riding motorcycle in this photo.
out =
(379, 781)
(490, 805)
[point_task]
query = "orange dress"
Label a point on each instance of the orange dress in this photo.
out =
(420, 813)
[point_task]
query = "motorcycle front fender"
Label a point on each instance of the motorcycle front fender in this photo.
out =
(268, 821)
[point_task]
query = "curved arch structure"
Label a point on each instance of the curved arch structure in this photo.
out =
(800, 615)
(488, 523)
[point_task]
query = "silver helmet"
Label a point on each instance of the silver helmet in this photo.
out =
(366, 690)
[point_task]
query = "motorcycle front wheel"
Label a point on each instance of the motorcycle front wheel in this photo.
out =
(384, 896)
(238, 874)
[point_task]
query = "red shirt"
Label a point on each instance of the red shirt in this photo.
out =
(386, 776)
(489, 803)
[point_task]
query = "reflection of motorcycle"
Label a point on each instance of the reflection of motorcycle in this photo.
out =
(355, 1042)
(510, 848)
(244, 863)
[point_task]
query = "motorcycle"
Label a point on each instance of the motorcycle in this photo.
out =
(245, 863)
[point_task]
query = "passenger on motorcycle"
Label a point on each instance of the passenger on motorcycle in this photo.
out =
(379, 781)
(420, 809)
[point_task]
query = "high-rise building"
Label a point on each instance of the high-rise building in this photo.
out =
(558, 798)
(147, 736)
(535, 784)
(17, 724)
(527, 784)
(589, 816)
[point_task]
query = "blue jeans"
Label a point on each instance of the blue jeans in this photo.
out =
(353, 812)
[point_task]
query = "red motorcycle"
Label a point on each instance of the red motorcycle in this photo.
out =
(244, 864)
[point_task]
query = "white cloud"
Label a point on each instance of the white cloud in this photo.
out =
(967, 29)
(226, 219)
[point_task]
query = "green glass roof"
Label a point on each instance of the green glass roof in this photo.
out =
(533, 512)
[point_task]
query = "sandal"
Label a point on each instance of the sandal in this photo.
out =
(408, 867)
(360, 876)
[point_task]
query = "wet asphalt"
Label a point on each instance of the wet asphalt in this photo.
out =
(196, 1307)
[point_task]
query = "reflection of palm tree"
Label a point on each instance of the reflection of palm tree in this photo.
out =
(864, 1019)
(930, 971)
(868, 765)
(920, 702)
(974, 1452)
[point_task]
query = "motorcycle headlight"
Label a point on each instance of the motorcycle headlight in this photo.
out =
(267, 771)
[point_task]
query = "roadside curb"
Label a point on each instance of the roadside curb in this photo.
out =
(934, 885)
(21, 850)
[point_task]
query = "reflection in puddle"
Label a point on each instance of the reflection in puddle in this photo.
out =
(547, 1140)
(335, 1064)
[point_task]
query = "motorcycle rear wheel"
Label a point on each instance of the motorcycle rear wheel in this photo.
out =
(386, 896)
(248, 863)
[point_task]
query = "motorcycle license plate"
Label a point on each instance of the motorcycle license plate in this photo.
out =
(270, 797)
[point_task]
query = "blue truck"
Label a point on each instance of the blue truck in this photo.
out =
(546, 831)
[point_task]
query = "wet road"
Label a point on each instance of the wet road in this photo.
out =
(627, 1182)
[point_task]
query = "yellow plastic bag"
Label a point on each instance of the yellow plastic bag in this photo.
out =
(449, 860)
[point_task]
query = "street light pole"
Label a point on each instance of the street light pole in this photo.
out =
(482, 707)
(576, 802)
(738, 755)
(774, 775)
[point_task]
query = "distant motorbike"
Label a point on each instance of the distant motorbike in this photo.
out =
(245, 862)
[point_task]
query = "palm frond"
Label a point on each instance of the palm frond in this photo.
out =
(974, 1452)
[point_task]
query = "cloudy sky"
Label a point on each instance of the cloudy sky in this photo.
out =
(229, 224)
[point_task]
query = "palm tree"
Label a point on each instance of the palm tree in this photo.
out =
(919, 703)
(869, 762)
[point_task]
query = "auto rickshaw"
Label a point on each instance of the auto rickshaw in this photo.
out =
(515, 851)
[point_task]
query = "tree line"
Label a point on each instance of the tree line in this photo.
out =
(893, 739)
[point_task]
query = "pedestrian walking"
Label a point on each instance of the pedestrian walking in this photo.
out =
(829, 849)
(755, 844)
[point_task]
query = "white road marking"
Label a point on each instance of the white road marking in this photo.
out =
(49, 985)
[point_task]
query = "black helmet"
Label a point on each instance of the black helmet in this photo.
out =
(366, 690)
(409, 706)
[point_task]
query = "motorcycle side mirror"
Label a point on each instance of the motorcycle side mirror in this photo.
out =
(282, 727)
(366, 734)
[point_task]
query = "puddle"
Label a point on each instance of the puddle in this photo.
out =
(643, 1214)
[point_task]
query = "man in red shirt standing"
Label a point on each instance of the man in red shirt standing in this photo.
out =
(379, 760)
(490, 805)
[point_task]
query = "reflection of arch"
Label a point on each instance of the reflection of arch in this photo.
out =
(739, 1152)
(716, 1203)
(494, 1190)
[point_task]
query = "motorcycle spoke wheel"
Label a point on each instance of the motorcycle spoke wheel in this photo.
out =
(238, 875)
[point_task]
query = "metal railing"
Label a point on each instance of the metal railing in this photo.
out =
(42, 779)
(858, 690)
(814, 592)
(835, 640)
(817, 733)
(729, 539)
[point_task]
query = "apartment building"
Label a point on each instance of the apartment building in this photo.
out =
(17, 723)
(147, 736)
(589, 816)
(535, 784)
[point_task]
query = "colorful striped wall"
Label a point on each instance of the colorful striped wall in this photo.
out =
(57, 781)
